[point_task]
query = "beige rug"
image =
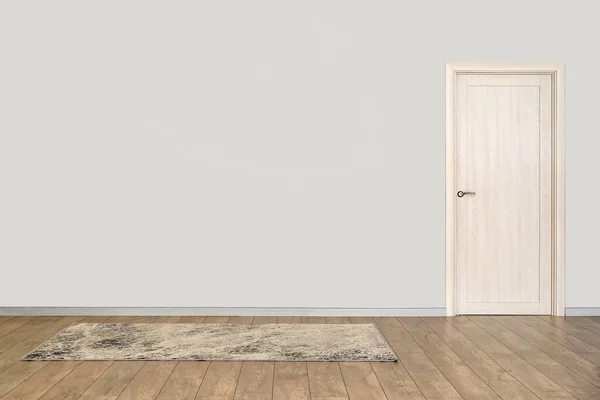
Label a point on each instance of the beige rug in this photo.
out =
(270, 342)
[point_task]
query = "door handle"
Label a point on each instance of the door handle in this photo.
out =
(460, 193)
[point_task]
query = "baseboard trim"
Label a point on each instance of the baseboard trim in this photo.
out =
(582, 311)
(230, 311)
(256, 311)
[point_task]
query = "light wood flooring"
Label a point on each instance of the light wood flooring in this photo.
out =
(440, 358)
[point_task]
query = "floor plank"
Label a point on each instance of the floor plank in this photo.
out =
(18, 373)
(216, 320)
(255, 381)
(120, 319)
(77, 381)
(428, 378)
(20, 334)
(13, 355)
(314, 320)
(430, 342)
(264, 320)
(149, 381)
(331, 372)
(573, 329)
(290, 381)
(479, 336)
(326, 382)
(557, 372)
(185, 381)
(594, 357)
(529, 376)
(144, 319)
(397, 336)
(168, 320)
(558, 352)
(13, 324)
(289, 320)
(220, 380)
(502, 382)
(362, 320)
(192, 320)
(95, 319)
(430, 381)
(468, 384)
(586, 323)
(113, 381)
(571, 342)
(396, 381)
(393, 377)
(361, 381)
(39, 383)
(241, 320)
(337, 320)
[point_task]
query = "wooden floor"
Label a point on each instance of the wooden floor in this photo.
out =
(440, 358)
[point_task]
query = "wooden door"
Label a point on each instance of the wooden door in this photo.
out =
(503, 228)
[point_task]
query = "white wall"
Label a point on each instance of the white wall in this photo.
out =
(264, 153)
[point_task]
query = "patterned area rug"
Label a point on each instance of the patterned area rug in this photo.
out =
(223, 342)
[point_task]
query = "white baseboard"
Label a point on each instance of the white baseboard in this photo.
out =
(256, 311)
(230, 311)
(583, 311)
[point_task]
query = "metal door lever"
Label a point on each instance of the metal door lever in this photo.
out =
(460, 193)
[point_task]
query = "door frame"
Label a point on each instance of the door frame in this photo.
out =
(558, 268)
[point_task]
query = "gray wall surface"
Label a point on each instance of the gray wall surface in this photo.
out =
(258, 153)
